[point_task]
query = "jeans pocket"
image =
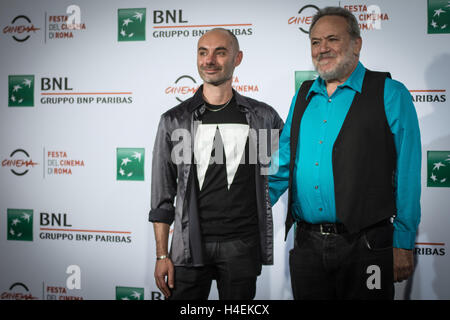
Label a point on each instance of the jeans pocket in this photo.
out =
(247, 244)
(301, 236)
(243, 258)
(379, 238)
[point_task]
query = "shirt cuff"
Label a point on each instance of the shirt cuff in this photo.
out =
(404, 239)
(162, 215)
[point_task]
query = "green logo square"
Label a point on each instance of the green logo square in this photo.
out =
(438, 16)
(131, 24)
(21, 91)
(438, 166)
(130, 164)
(20, 224)
(301, 76)
(129, 293)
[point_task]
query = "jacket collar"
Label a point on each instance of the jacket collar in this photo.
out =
(197, 100)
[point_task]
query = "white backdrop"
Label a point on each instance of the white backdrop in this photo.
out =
(95, 99)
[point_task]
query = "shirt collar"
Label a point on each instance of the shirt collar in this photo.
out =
(353, 82)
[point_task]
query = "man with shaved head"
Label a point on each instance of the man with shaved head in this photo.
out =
(222, 219)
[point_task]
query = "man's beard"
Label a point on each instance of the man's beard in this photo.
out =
(341, 69)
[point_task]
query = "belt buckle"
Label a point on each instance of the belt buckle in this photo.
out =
(327, 227)
(322, 232)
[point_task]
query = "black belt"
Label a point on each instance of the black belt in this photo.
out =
(336, 228)
(323, 228)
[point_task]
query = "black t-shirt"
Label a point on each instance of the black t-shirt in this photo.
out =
(226, 183)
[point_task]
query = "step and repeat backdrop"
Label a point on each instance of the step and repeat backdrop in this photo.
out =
(83, 85)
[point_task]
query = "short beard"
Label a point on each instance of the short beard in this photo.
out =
(217, 82)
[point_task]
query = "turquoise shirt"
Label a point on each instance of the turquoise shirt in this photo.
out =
(313, 184)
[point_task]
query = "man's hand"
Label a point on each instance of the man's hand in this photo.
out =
(164, 268)
(403, 264)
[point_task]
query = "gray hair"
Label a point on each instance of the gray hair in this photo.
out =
(353, 27)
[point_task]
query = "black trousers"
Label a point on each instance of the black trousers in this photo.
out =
(235, 265)
(343, 266)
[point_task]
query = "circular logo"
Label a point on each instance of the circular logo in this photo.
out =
(308, 11)
(19, 162)
(184, 82)
(18, 291)
(184, 87)
(20, 28)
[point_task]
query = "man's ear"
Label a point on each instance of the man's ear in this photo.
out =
(238, 59)
(357, 47)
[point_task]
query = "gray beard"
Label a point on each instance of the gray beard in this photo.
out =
(338, 73)
(341, 69)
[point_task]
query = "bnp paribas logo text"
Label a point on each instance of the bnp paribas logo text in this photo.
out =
(438, 16)
(130, 164)
(21, 90)
(129, 293)
(20, 224)
(438, 163)
(131, 24)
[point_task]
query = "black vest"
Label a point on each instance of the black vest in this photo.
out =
(363, 158)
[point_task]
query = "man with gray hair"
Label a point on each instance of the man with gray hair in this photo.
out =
(222, 217)
(350, 155)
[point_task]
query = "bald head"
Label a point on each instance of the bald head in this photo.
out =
(233, 41)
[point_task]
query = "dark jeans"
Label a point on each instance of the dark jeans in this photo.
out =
(343, 266)
(234, 264)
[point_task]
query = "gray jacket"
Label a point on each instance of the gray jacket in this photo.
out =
(172, 180)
